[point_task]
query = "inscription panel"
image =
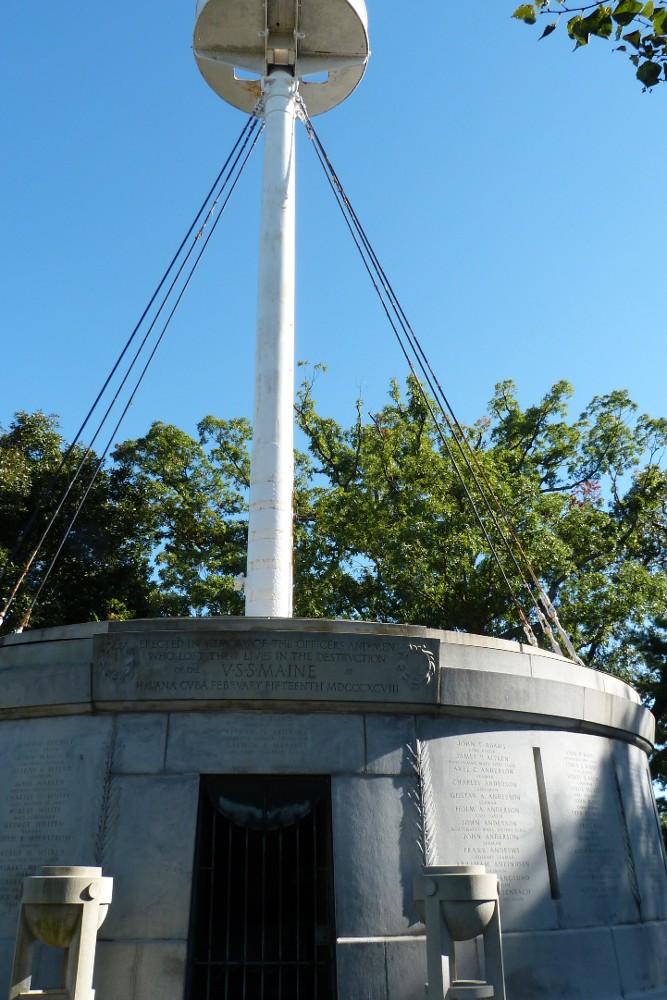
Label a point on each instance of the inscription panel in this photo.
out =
(641, 819)
(488, 813)
(596, 868)
(280, 666)
(51, 796)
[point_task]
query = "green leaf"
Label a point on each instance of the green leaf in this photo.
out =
(577, 30)
(549, 28)
(525, 13)
(599, 23)
(626, 11)
(649, 73)
(604, 28)
(658, 19)
(648, 8)
(634, 38)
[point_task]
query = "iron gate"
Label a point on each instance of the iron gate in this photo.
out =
(262, 925)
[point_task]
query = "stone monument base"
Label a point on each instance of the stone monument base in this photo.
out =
(251, 786)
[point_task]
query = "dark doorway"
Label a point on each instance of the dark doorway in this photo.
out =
(262, 922)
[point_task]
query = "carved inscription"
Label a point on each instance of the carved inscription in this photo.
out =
(645, 840)
(491, 813)
(276, 739)
(596, 858)
(265, 666)
(642, 814)
(35, 821)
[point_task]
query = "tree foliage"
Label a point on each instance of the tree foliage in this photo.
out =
(639, 28)
(383, 525)
(195, 491)
(104, 570)
(387, 532)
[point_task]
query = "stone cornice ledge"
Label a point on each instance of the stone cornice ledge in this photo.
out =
(49, 672)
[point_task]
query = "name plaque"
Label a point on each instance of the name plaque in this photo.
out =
(265, 666)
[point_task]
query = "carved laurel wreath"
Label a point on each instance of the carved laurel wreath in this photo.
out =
(118, 660)
(417, 666)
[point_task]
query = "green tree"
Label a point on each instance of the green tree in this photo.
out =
(639, 28)
(196, 496)
(103, 570)
(384, 529)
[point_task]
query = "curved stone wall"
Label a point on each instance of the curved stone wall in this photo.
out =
(538, 769)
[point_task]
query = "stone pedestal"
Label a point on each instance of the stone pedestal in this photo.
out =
(459, 903)
(62, 907)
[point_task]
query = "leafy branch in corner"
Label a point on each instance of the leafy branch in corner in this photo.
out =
(640, 27)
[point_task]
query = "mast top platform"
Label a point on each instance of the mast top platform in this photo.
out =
(236, 39)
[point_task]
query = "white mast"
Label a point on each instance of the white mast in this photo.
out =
(281, 41)
(268, 587)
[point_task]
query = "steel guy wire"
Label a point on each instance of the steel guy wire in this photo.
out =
(456, 431)
(257, 132)
(48, 490)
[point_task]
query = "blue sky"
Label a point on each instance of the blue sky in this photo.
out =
(511, 188)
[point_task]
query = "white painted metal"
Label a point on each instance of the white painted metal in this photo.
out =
(268, 586)
(311, 36)
(281, 41)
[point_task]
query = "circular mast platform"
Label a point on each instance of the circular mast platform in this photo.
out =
(234, 38)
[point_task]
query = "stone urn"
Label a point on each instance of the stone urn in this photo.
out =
(458, 903)
(63, 907)
(468, 897)
(53, 897)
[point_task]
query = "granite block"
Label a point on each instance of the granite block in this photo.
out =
(205, 667)
(572, 965)
(640, 815)
(602, 708)
(615, 686)
(388, 739)
(82, 632)
(557, 669)
(43, 686)
(596, 872)
(115, 970)
(148, 849)
(531, 696)
(375, 855)
(161, 970)
(63, 652)
(487, 811)
(599, 707)
(266, 743)
(406, 968)
(361, 971)
(52, 793)
(486, 658)
(650, 942)
(140, 743)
